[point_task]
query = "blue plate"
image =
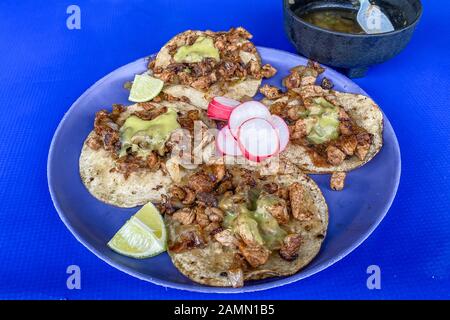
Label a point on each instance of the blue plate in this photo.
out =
(354, 212)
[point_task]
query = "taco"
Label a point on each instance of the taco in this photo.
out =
(227, 225)
(199, 65)
(127, 160)
(330, 131)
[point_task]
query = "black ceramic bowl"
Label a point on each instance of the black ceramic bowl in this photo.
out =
(352, 52)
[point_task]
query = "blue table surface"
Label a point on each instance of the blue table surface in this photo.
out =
(45, 67)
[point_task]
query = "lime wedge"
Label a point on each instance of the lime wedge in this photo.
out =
(143, 236)
(145, 88)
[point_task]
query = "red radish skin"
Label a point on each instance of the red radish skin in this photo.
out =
(258, 139)
(282, 130)
(220, 108)
(246, 111)
(226, 143)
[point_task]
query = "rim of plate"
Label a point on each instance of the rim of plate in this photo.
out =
(208, 289)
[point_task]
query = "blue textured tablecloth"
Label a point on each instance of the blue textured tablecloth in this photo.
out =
(44, 67)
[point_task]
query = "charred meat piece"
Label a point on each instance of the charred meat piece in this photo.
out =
(203, 68)
(204, 82)
(201, 217)
(293, 80)
(212, 228)
(271, 92)
(187, 120)
(129, 164)
(153, 161)
(295, 111)
(243, 179)
(268, 71)
(107, 130)
(201, 182)
(254, 68)
(299, 208)
(337, 181)
(224, 186)
(218, 170)
(207, 199)
(335, 156)
(279, 212)
(214, 214)
(165, 206)
(364, 141)
(291, 245)
(347, 144)
(189, 237)
(327, 84)
(189, 197)
(303, 76)
(94, 142)
(345, 127)
(298, 131)
(184, 194)
(184, 216)
(255, 255)
(226, 238)
(316, 66)
(311, 91)
(279, 108)
(270, 187)
(345, 123)
(117, 110)
(227, 69)
(177, 192)
(150, 114)
(283, 193)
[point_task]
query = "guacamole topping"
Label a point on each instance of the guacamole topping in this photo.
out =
(272, 234)
(259, 222)
(246, 221)
(145, 136)
(322, 121)
(202, 48)
(232, 205)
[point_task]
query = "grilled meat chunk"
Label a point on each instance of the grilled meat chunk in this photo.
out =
(347, 144)
(268, 71)
(184, 216)
(337, 181)
(201, 182)
(291, 245)
(364, 141)
(335, 156)
(271, 92)
(214, 214)
(279, 212)
(201, 217)
(189, 237)
(299, 207)
(226, 238)
(256, 255)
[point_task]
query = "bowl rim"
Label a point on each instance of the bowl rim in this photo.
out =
(287, 8)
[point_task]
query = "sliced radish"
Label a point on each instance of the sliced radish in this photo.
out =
(258, 139)
(226, 143)
(246, 111)
(283, 131)
(220, 108)
(226, 102)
